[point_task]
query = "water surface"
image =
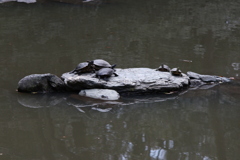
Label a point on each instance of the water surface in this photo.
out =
(54, 37)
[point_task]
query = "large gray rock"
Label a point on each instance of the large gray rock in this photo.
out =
(131, 80)
(41, 83)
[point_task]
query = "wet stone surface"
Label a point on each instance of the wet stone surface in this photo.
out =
(131, 80)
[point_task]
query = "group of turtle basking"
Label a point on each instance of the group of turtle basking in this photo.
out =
(174, 71)
(104, 70)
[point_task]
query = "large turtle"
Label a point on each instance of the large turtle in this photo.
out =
(163, 68)
(84, 67)
(105, 73)
(176, 72)
(100, 63)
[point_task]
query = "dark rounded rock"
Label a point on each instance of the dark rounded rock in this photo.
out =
(41, 83)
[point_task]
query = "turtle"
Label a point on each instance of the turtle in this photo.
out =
(163, 68)
(105, 73)
(176, 72)
(100, 63)
(84, 67)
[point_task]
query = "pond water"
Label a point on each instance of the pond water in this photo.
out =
(201, 124)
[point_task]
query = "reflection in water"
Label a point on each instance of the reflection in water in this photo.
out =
(190, 127)
(158, 154)
(81, 102)
(236, 67)
(52, 37)
(145, 35)
(198, 49)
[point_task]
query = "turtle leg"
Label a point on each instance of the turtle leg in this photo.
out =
(78, 72)
(93, 70)
(99, 77)
(115, 74)
(105, 79)
(73, 71)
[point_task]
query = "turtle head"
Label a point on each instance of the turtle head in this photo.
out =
(90, 62)
(113, 66)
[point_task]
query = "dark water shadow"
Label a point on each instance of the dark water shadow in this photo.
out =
(81, 102)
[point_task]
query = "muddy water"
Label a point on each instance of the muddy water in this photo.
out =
(53, 38)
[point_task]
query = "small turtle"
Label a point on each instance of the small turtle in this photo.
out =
(176, 72)
(84, 67)
(100, 63)
(105, 73)
(163, 68)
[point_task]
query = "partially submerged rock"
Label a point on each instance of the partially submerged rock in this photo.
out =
(131, 80)
(199, 80)
(41, 83)
(207, 78)
(128, 81)
(103, 94)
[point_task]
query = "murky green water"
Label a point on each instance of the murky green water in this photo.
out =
(54, 38)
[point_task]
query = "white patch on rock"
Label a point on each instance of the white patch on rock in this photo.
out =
(103, 94)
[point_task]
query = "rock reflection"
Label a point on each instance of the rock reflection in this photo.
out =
(40, 100)
(199, 49)
(236, 66)
(159, 154)
(83, 104)
(190, 127)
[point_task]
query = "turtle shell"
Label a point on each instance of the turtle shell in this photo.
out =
(105, 73)
(83, 67)
(163, 68)
(100, 63)
(176, 72)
